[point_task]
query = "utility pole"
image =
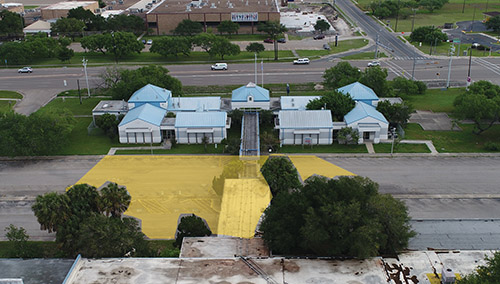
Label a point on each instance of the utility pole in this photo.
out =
(414, 62)
(262, 70)
(473, 18)
(397, 17)
(84, 61)
(413, 20)
(255, 68)
(79, 93)
(452, 50)
(468, 72)
(376, 47)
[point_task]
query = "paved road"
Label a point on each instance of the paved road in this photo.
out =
(476, 26)
(44, 83)
(395, 46)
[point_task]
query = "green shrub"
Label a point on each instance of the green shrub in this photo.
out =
(492, 146)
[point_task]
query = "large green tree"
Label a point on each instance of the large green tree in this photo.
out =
(255, 47)
(188, 28)
(341, 75)
(485, 274)
(398, 113)
(273, 29)
(481, 104)
(126, 23)
(92, 22)
(166, 46)
(338, 103)
(428, 34)
(205, 41)
(16, 52)
(376, 79)
(280, 175)
(51, 210)
(122, 83)
(11, 24)
(405, 87)
(222, 46)
(191, 226)
(108, 123)
(336, 217)
(122, 44)
(322, 26)
(228, 27)
(68, 27)
(493, 23)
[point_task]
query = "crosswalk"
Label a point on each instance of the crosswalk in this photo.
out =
(413, 58)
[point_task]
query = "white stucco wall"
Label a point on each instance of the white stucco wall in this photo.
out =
(138, 132)
(287, 136)
(379, 133)
(261, 105)
(181, 135)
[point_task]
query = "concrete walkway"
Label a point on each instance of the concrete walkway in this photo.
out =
(369, 147)
(112, 151)
(429, 144)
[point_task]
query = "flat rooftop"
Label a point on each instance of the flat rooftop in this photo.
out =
(111, 106)
(215, 6)
(68, 5)
(216, 247)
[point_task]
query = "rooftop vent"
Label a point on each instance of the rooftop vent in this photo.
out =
(105, 105)
(213, 6)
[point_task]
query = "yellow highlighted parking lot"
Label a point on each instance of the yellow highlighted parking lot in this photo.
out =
(311, 165)
(230, 194)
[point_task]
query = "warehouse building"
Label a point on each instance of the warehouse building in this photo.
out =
(164, 16)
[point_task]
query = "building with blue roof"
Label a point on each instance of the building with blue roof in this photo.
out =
(298, 127)
(181, 104)
(360, 93)
(370, 123)
(142, 124)
(150, 94)
(296, 102)
(250, 96)
(192, 127)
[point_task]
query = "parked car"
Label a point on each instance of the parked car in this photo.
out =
(373, 63)
(219, 66)
(281, 40)
(25, 70)
(269, 40)
(301, 61)
(476, 44)
(326, 46)
(320, 36)
(149, 42)
(143, 41)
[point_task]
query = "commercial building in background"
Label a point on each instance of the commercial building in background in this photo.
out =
(59, 10)
(164, 16)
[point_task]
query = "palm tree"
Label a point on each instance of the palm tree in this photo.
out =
(114, 200)
(273, 29)
(51, 210)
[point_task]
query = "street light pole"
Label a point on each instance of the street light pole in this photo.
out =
(452, 50)
(376, 47)
(255, 68)
(397, 17)
(413, 20)
(473, 18)
(84, 61)
(463, 7)
(468, 73)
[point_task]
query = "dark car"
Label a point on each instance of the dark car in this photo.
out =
(281, 40)
(320, 36)
(269, 40)
(326, 46)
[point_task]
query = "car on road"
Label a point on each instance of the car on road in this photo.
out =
(281, 40)
(25, 70)
(373, 63)
(219, 66)
(326, 46)
(476, 44)
(149, 42)
(301, 61)
(269, 40)
(320, 36)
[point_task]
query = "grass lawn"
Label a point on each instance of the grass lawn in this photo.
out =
(450, 13)
(364, 56)
(73, 104)
(10, 95)
(444, 48)
(435, 100)
(335, 148)
(6, 105)
(177, 149)
(31, 7)
(343, 45)
(295, 37)
(149, 58)
(74, 93)
(401, 148)
(455, 141)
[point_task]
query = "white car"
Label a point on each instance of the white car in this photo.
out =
(25, 70)
(149, 42)
(373, 63)
(219, 66)
(301, 61)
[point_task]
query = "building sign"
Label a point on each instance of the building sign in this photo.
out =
(245, 17)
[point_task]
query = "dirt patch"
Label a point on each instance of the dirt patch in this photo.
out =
(290, 266)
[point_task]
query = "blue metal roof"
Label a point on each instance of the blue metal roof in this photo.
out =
(147, 112)
(194, 104)
(358, 92)
(305, 119)
(201, 119)
(362, 110)
(296, 102)
(150, 93)
(259, 94)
